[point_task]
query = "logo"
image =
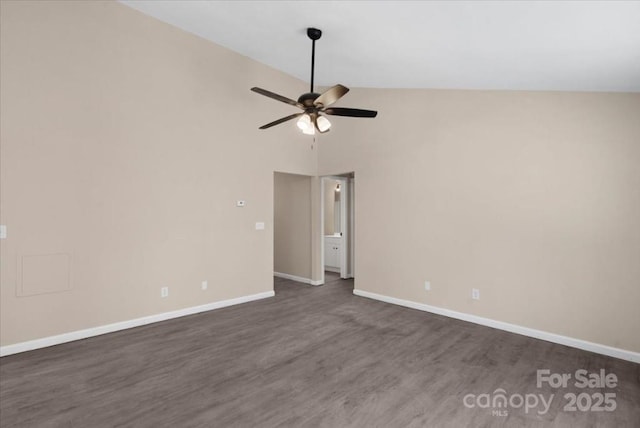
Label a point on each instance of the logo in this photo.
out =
(500, 403)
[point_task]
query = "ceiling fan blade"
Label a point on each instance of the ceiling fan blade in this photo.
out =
(279, 121)
(351, 112)
(331, 95)
(276, 97)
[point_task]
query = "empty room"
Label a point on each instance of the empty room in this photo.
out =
(319, 213)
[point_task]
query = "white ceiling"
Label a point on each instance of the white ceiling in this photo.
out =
(520, 45)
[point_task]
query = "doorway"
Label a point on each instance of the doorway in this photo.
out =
(338, 224)
(292, 227)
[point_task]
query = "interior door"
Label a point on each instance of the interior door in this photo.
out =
(344, 238)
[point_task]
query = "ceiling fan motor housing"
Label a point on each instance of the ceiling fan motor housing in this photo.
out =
(307, 100)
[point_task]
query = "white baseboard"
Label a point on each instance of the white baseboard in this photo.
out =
(332, 269)
(123, 325)
(297, 278)
(513, 328)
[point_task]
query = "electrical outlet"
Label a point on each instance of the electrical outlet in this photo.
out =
(475, 294)
(164, 292)
(205, 285)
(427, 286)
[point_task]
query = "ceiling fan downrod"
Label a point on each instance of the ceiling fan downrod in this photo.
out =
(314, 34)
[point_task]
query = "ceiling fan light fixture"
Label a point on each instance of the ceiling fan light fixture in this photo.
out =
(313, 104)
(323, 124)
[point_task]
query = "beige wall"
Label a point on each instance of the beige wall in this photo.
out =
(533, 198)
(125, 143)
(292, 225)
(329, 205)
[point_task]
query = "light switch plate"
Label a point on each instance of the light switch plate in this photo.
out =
(3, 231)
(259, 225)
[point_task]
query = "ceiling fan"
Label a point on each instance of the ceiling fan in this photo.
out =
(315, 105)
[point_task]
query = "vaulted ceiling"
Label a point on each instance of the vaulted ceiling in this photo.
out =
(519, 45)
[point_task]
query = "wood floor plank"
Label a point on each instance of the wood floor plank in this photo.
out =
(310, 356)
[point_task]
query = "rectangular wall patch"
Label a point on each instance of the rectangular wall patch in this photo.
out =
(48, 273)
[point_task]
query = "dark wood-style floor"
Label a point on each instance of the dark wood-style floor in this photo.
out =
(310, 356)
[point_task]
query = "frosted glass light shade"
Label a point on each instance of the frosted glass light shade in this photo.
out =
(304, 122)
(323, 123)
